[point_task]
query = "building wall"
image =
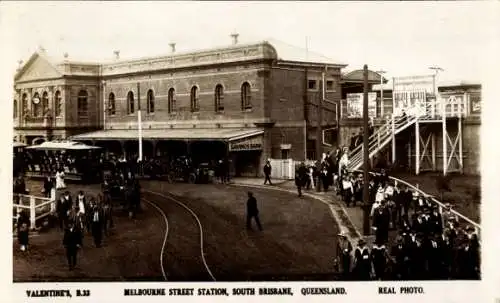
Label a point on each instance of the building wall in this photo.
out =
(231, 78)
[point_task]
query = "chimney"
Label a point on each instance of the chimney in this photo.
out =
(235, 38)
(117, 54)
(20, 64)
(172, 46)
(65, 56)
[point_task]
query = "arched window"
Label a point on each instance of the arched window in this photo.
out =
(58, 104)
(171, 100)
(15, 109)
(194, 99)
(219, 96)
(130, 103)
(83, 105)
(45, 103)
(111, 104)
(246, 96)
(36, 107)
(24, 104)
(151, 101)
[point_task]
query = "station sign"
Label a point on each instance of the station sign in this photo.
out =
(412, 92)
(475, 103)
(246, 144)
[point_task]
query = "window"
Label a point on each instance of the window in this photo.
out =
(45, 103)
(111, 104)
(58, 103)
(330, 86)
(130, 103)
(171, 100)
(36, 107)
(285, 154)
(151, 101)
(24, 104)
(15, 109)
(83, 106)
(246, 96)
(194, 99)
(219, 96)
(312, 84)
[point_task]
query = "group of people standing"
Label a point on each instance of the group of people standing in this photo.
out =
(430, 244)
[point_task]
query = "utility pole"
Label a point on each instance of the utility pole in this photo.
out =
(436, 70)
(381, 72)
(319, 129)
(366, 196)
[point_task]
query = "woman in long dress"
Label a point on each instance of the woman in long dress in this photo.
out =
(60, 180)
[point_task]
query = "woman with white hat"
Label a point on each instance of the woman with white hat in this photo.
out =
(344, 249)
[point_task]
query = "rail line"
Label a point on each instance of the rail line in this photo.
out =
(164, 245)
(169, 197)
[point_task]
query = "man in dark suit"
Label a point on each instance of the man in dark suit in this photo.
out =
(96, 216)
(72, 242)
(267, 173)
(62, 208)
(344, 249)
(252, 212)
(379, 260)
(381, 224)
(362, 262)
(400, 253)
(48, 184)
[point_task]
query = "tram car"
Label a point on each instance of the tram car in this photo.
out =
(184, 170)
(80, 162)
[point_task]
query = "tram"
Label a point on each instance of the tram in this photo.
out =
(80, 162)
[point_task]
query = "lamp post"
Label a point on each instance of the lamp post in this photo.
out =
(436, 70)
(381, 72)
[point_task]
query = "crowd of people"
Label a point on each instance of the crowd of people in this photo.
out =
(414, 238)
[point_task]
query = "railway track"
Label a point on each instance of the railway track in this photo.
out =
(185, 256)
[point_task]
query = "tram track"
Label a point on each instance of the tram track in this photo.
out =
(164, 244)
(173, 215)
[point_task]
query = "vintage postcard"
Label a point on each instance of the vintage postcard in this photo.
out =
(249, 151)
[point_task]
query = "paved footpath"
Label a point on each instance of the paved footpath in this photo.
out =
(350, 219)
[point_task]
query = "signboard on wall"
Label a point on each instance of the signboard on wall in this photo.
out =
(246, 144)
(410, 93)
(355, 105)
(475, 103)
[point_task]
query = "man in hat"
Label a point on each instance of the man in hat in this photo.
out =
(417, 258)
(23, 230)
(344, 249)
(379, 260)
(400, 253)
(267, 173)
(96, 219)
(252, 212)
(381, 224)
(298, 183)
(72, 241)
(436, 221)
(434, 256)
(362, 262)
(62, 209)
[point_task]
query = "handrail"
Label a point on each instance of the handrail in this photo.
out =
(32, 196)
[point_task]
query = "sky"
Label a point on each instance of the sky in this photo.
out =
(401, 38)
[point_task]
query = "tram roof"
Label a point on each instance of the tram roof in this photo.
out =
(62, 145)
(226, 134)
(18, 144)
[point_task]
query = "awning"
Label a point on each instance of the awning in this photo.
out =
(195, 134)
(18, 144)
(62, 145)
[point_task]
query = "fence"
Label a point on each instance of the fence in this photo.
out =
(284, 169)
(37, 207)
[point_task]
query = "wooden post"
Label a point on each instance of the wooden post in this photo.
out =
(433, 151)
(417, 148)
(53, 198)
(393, 140)
(445, 145)
(366, 196)
(32, 212)
(460, 148)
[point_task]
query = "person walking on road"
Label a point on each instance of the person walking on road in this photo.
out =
(267, 173)
(72, 241)
(252, 212)
(96, 224)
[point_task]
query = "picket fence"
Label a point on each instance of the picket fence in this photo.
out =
(36, 207)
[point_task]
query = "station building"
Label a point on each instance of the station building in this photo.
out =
(247, 102)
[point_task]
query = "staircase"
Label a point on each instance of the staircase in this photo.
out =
(383, 135)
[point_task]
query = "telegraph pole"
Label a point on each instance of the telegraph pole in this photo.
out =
(139, 119)
(381, 73)
(366, 196)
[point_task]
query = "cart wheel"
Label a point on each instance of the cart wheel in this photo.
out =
(192, 179)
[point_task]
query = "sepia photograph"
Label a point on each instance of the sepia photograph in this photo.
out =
(246, 142)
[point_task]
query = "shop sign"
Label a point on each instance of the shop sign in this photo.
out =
(251, 143)
(355, 105)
